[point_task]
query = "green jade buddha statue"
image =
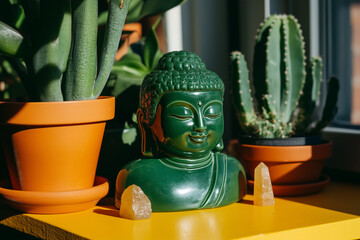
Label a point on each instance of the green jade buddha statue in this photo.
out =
(181, 122)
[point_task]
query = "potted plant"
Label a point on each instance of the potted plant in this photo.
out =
(275, 110)
(52, 141)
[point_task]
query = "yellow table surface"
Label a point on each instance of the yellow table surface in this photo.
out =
(331, 214)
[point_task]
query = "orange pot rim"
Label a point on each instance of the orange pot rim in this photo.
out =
(285, 153)
(57, 113)
(289, 190)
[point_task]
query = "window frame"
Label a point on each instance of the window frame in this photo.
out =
(344, 135)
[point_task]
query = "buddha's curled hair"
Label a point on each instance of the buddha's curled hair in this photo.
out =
(176, 71)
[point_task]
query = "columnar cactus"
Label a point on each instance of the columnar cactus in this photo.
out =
(286, 91)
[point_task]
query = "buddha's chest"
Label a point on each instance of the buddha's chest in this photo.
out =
(183, 189)
(171, 188)
(174, 188)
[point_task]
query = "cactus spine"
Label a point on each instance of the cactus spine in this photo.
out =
(286, 91)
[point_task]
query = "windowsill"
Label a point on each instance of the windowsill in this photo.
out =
(331, 214)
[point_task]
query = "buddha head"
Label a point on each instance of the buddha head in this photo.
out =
(181, 108)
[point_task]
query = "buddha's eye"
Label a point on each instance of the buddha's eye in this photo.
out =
(213, 111)
(180, 112)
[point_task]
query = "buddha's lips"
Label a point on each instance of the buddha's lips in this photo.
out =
(198, 138)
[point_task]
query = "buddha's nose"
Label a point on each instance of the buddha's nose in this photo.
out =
(200, 125)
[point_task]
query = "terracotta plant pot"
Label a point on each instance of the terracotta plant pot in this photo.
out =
(53, 146)
(287, 164)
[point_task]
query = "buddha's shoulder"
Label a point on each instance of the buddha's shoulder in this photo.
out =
(143, 164)
(227, 158)
(232, 164)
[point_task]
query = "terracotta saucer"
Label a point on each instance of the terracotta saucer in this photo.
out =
(55, 202)
(298, 189)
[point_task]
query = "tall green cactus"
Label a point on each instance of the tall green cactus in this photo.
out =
(286, 91)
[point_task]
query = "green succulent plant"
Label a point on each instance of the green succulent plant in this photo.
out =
(286, 90)
(53, 46)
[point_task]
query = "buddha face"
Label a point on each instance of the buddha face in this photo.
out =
(188, 124)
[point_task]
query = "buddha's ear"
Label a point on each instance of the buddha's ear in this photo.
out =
(145, 134)
(219, 147)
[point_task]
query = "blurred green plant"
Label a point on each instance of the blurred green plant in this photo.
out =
(10, 84)
(125, 79)
(133, 67)
(139, 9)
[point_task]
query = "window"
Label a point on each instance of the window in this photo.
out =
(343, 47)
(341, 38)
(355, 49)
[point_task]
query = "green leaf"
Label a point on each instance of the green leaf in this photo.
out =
(152, 53)
(130, 69)
(143, 8)
(130, 63)
(11, 85)
(126, 82)
(134, 118)
(52, 49)
(129, 134)
(154, 7)
(12, 13)
(18, 15)
(330, 108)
(81, 69)
(126, 72)
(102, 19)
(135, 8)
(12, 42)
